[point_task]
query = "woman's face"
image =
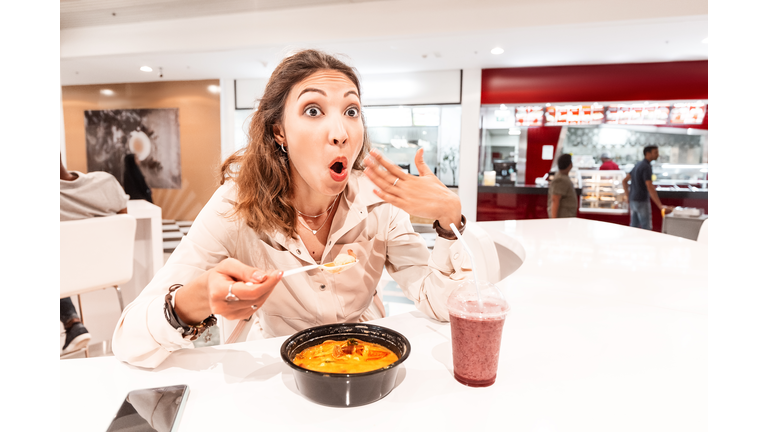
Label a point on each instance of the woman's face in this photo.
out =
(322, 131)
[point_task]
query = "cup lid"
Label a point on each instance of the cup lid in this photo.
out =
(463, 301)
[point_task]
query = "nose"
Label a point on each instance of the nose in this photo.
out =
(337, 133)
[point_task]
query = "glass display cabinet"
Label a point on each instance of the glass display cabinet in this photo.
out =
(681, 178)
(602, 192)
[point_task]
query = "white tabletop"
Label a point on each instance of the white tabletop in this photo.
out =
(607, 332)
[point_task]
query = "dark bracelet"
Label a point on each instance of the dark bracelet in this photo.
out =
(191, 332)
(448, 234)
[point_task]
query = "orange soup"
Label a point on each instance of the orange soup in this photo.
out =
(348, 356)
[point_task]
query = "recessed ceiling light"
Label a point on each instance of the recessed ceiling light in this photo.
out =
(705, 40)
(106, 92)
(497, 51)
(213, 88)
(145, 69)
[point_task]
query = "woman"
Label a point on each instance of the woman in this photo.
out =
(303, 191)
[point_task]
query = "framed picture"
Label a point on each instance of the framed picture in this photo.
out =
(150, 136)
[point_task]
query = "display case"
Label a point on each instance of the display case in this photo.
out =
(602, 192)
(681, 178)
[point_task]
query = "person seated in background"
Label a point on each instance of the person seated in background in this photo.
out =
(608, 164)
(84, 196)
(305, 189)
(561, 198)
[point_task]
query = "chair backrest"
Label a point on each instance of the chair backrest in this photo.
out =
(96, 253)
(484, 250)
(704, 232)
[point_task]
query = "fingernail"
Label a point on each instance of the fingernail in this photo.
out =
(375, 152)
(258, 276)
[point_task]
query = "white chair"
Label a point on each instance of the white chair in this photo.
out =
(96, 253)
(484, 250)
(704, 233)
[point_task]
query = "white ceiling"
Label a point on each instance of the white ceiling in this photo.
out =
(379, 36)
(87, 13)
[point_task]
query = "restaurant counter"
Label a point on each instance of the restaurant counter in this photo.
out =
(593, 342)
(510, 202)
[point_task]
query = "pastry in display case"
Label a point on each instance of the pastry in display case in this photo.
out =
(602, 192)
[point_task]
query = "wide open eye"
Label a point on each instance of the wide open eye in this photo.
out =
(312, 111)
(352, 112)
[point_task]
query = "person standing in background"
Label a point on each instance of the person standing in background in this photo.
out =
(608, 164)
(561, 199)
(84, 196)
(642, 191)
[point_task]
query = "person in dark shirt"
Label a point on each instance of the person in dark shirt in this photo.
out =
(642, 190)
(608, 164)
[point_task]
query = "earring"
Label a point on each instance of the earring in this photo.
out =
(283, 148)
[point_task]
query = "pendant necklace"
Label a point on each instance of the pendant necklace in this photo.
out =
(314, 232)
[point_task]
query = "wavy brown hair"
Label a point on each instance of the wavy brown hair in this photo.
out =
(261, 170)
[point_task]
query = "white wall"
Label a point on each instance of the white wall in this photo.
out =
(412, 88)
(470, 142)
(227, 107)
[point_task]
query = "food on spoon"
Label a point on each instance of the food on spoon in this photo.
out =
(347, 258)
(341, 259)
(349, 356)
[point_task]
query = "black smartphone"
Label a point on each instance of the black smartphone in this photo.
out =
(151, 410)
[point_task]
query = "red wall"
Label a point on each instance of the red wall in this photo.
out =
(596, 83)
(538, 137)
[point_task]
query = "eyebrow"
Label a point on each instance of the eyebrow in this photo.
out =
(311, 89)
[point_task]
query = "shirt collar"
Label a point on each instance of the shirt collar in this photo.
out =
(357, 197)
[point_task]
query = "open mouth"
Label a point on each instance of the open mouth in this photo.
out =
(337, 167)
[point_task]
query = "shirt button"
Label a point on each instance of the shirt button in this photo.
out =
(298, 251)
(322, 287)
(456, 256)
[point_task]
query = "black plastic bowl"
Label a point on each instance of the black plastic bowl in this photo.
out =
(345, 390)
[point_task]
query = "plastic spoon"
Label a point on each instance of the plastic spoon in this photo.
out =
(472, 260)
(329, 267)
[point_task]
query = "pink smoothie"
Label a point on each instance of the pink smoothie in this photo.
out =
(476, 340)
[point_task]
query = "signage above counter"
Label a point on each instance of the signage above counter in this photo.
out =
(648, 113)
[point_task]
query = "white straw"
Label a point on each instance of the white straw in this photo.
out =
(472, 259)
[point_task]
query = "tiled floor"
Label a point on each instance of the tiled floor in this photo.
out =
(395, 301)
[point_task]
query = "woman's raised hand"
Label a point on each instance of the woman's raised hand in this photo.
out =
(423, 196)
(207, 293)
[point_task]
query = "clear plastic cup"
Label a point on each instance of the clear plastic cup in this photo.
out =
(476, 332)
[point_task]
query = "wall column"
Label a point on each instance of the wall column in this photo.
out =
(227, 107)
(470, 141)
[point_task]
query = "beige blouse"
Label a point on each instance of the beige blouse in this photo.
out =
(380, 235)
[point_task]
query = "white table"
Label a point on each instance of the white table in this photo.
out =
(607, 332)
